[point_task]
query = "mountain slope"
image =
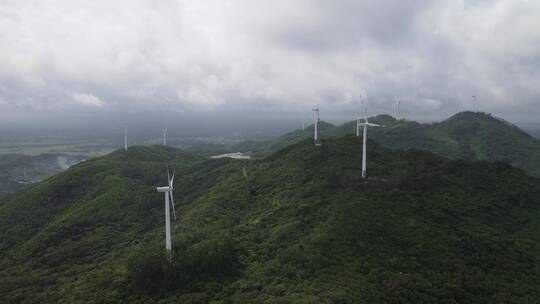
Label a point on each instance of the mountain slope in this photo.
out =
(302, 227)
(467, 135)
(265, 148)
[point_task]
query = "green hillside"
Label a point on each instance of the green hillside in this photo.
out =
(302, 227)
(265, 148)
(467, 135)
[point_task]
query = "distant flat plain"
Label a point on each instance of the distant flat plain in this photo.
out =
(53, 145)
(75, 145)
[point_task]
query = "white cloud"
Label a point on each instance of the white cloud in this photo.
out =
(281, 55)
(88, 100)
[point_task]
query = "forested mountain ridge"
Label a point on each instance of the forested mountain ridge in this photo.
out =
(466, 135)
(300, 226)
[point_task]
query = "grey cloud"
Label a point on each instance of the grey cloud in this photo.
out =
(352, 23)
(269, 57)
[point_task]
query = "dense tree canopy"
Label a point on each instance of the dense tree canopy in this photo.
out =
(301, 227)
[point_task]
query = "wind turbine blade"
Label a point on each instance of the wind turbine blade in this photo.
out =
(365, 115)
(172, 179)
(172, 201)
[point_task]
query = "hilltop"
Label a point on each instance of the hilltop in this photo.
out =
(302, 227)
(466, 135)
(265, 148)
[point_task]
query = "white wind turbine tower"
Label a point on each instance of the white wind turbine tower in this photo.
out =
(357, 125)
(366, 124)
(168, 190)
(165, 136)
(397, 104)
(125, 137)
(316, 137)
(358, 118)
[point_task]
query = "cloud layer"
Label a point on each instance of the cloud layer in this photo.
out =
(269, 56)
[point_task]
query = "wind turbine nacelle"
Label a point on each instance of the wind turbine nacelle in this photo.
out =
(164, 189)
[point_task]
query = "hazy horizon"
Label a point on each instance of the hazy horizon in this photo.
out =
(144, 127)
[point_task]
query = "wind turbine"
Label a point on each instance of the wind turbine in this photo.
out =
(357, 125)
(165, 136)
(125, 137)
(303, 124)
(397, 104)
(168, 190)
(316, 137)
(366, 124)
(358, 118)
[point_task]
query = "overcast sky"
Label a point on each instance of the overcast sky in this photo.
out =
(269, 57)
